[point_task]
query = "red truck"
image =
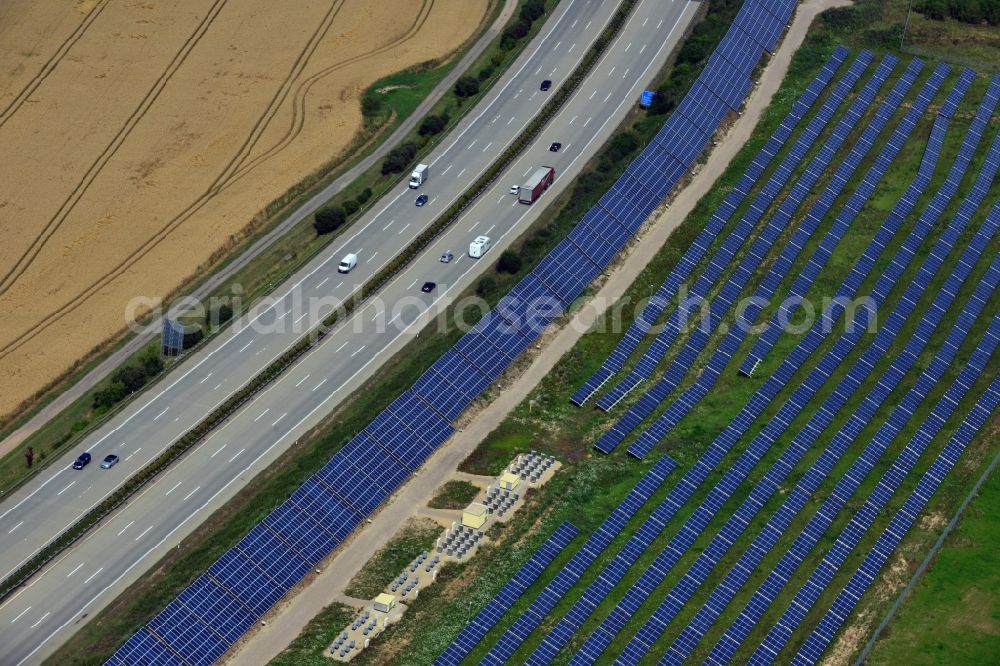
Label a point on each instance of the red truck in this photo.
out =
(538, 183)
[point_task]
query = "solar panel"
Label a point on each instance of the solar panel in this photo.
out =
(187, 635)
(143, 648)
(473, 632)
(566, 271)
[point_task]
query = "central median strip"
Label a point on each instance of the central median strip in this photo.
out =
(312, 339)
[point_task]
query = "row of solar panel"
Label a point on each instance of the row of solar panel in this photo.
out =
(807, 595)
(599, 540)
(600, 639)
(773, 328)
(723, 82)
(689, 637)
(899, 525)
(797, 499)
(722, 258)
(694, 253)
(487, 618)
(774, 227)
(762, 492)
(208, 617)
(766, 289)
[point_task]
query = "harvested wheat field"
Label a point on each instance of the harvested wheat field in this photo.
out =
(139, 137)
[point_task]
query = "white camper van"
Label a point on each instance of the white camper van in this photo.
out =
(478, 247)
(348, 263)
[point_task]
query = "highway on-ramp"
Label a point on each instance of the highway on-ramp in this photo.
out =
(55, 604)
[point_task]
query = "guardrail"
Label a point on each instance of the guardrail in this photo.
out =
(312, 339)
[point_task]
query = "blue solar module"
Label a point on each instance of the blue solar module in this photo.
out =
(629, 202)
(536, 612)
(450, 385)
(217, 608)
(759, 25)
(796, 500)
(864, 517)
(566, 271)
(316, 499)
(271, 555)
(412, 411)
(830, 623)
(473, 632)
(142, 649)
(600, 246)
(725, 81)
(705, 115)
(740, 51)
(238, 575)
(681, 139)
(306, 537)
(187, 635)
(637, 330)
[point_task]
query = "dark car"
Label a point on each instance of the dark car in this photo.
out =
(109, 461)
(82, 461)
(546, 84)
(555, 146)
(428, 287)
(421, 200)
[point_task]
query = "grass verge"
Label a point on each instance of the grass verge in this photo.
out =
(413, 538)
(454, 495)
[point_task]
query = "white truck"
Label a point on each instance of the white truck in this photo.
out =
(418, 177)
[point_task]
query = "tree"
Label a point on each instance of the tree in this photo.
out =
(515, 32)
(351, 207)
(365, 195)
(152, 364)
(192, 337)
(132, 377)
(219, 315)
(467, 86)
(510, 262)
(328, 219)
(532, 10)
(399, 158)
(371, 105)
(107, 397)
(432, 125)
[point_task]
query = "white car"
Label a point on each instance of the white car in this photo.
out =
(348, 263)
(514, 189)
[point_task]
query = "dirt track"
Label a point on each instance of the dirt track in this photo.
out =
(139, 138)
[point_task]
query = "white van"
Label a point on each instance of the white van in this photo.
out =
(348, 263)
(478, 247)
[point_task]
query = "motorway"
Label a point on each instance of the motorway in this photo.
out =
(46, 613)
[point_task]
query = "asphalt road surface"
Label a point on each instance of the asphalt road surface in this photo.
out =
(58, 601)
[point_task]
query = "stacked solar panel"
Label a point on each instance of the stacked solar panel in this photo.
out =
(814, 645)
(765, 291)
(800, 444)
(581, 560)
(807, 485)
(820, 578)
(775, 225)
(529, 572)
(647, 162)
(773, 328)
